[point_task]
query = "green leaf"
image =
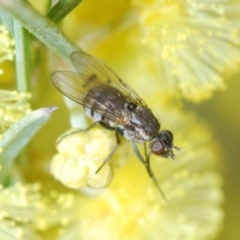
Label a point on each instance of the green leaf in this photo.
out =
(62, 9)
(19, 135)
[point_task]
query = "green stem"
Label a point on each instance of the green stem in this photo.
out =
(43, 28)
(22, 46)
(62, 9)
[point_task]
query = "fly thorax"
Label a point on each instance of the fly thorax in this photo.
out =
(140, 123)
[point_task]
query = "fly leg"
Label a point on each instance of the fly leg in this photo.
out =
(147, 165)
(77, 131)
(110, 155)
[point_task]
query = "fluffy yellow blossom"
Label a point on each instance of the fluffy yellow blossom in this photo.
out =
(81, 155)
(19, 206)
(186, 37)
(7, 46)
(13, 106)
(186, 45)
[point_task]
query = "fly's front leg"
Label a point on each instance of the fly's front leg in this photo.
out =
(147, 155)
(147, 165)
(139, 155)
(151, 174)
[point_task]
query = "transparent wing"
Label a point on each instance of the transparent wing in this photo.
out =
(69, 84)
(72, 86)
(91, 72)
(94, 72)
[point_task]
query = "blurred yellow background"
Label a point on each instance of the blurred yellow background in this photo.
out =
(222, 112)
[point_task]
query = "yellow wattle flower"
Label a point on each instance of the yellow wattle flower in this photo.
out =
(190, 47)
(13, 106)
(7, 45)
(80, 157)
(7, 50)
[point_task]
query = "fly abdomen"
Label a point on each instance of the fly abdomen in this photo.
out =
(93, 114)
(102, 100)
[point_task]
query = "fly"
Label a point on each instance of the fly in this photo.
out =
(111, 102)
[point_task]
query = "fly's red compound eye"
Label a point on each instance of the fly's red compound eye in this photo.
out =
(162, 144)
(158, 147)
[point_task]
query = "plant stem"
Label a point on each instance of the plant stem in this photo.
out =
(22, 46)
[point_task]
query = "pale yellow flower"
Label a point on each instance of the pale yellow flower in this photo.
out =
(193, 42)
(19, 206)
(189, 46)
(13, 106)
(81, 155)
(7, 46)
